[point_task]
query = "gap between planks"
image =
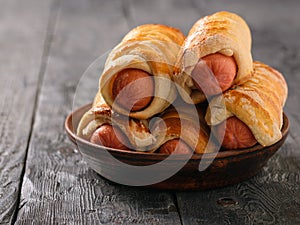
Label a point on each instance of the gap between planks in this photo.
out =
(52, 20)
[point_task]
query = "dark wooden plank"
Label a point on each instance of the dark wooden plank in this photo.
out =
(273, 196)
(177, 13)
(23, 27)
(58, 187)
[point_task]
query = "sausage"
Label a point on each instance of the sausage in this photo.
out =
(138, 93)
(109, 136)
(223, 70)
(169, 147)
(237, 134)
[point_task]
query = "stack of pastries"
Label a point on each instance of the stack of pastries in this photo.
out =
(163, 92)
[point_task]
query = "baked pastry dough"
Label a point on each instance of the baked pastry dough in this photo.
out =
(152, 48)
(222, 32)
(183, 125)
(135, 130)
(258, 103)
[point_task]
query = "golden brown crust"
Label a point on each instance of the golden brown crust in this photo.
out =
(183, 125)
(222, 32)
(152, 48)
(135, 130)
(155, 31)
(258, 103)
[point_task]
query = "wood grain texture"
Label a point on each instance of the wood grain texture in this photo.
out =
(23, 30)
(58, 186)
(176, 13)
(273, 196)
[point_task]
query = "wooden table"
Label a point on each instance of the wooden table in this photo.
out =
(46, 45)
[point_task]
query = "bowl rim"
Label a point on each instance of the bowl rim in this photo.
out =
(195, 156)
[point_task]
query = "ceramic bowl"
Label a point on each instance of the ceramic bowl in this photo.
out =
(226, 168)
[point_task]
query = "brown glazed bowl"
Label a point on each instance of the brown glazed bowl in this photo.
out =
(225, 168)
